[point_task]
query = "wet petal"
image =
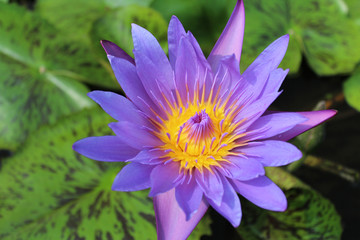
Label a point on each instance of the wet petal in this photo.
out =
(170, 218)
(133, 177)
(262, 192)
(105, 148)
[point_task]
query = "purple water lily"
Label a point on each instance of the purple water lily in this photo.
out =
(194, 130)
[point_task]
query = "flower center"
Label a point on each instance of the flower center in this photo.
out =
(200, 133)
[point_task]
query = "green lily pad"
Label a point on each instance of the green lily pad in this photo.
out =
(352, 90)
(48, 191)
(353, 9)
(204, 20)
(76, 17)
(318, 29)
(116, 27)
(309, 216)
(41, 73)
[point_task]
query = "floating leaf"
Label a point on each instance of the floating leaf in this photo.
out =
(40, 74)
(204, 20)
(48, 191)
(319, 29)
(352, 90)
(77, 17)
(116, 27)
(309, 216)
(353, 8)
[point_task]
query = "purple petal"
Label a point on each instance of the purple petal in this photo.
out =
(170, 218)
(148, 156)
(314, 119)
(205, 76)
(146, 45)
(242, 169)
(189, 196)
(175, 32)
(231, 39)
(230, 205)
(253, 111)
(262, 192)
(272, 55)
(273, 153)
(227, 75)
(163, 178)
(118, 107)
(274, 81)
(276, 123)
(133, 177)
(211, 185)
(257, 74)
(114, 50)
(105, 148)
(134, 135)
(186, 69)
(126, 74)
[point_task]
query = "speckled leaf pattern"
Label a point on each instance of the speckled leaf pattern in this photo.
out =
(309, 216)
(48, 191)
(319, 29)
(116, 27)
(40, 74)
(206, 21)
(352, 90)
(76, 17)
(353, 8)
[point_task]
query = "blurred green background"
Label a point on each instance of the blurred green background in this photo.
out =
(50, 57)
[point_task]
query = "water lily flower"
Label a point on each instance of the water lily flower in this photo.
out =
(194, 130)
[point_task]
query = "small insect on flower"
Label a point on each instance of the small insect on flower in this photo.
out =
(194, 130)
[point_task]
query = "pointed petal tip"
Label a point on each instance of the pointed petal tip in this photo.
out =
(111, 49)
(231, 39)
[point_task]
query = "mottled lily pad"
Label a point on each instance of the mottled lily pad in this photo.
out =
(309, 216)
(353, 9)
(77, 17)
(352, 90)
(116, 27)
(48, 191)
(40, 76)
(319, 29)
